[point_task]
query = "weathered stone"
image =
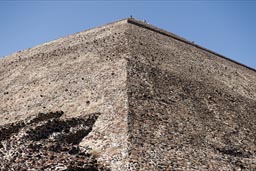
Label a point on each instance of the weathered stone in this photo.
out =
(31, 151)
(165, 103)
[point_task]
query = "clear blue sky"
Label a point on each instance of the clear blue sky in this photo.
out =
(228, 27)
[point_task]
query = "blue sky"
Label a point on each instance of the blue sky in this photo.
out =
(226, 27)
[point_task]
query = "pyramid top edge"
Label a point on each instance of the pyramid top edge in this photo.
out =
(145, 25)
(148, 26)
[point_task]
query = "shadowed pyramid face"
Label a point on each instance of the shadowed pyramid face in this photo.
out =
(165, 103)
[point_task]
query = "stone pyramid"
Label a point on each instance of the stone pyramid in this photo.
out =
(162, 102)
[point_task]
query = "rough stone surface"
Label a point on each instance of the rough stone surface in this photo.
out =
(165, 103)
(46, 142)
(78, 74)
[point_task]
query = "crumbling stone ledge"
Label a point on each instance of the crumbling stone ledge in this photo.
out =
(46, 142)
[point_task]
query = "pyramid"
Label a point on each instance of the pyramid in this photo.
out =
(162, 102)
